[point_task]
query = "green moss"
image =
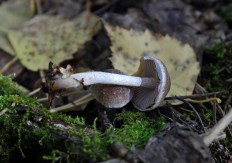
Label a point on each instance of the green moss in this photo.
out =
(207, 116)
(226, 13)
(135, 131)
(75, 121)
(26, 126)
(228, 144)
(128, 117)
(95, 146)
(137, 128)
(56, 156)
(15, 131)
(218, 66)
(8, 87)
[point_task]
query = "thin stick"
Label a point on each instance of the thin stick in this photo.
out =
(3, 111)
(10, 63)
(34, 92)
(80, 101)
(214, 113)
(195, 95)
(76, 91)
(42, 99)
(38, 6)
(194, 110)
(42, 76)
(218, 100)
(218, 128)
(106, 7)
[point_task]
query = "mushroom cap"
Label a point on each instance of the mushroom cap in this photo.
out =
(112, 96)
(146, 99)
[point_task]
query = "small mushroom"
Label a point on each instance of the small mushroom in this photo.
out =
(150, 84)
(146, 99)
(112, 96)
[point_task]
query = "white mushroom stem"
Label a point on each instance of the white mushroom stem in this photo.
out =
(96, 77)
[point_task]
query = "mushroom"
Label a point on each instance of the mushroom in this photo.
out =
(146, 99)
(112, 96)
(150, 84)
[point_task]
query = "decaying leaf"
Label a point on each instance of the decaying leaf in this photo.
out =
(128, 46)
(51, 38)
(13, 13)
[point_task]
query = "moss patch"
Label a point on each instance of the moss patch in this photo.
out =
(29, 132)
(135, 131)
(217, 67)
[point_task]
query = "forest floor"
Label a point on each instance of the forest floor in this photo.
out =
(36, 33)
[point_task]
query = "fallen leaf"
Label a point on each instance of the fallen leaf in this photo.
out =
(51, 38)
(13, 13)
(128, 46)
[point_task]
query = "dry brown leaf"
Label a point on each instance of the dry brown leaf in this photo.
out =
(128, 46)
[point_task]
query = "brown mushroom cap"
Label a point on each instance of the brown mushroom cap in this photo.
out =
(112, 96)
(146, 99)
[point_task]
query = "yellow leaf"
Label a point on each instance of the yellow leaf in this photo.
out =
(128, 46)
(51, 38)
(13, 13)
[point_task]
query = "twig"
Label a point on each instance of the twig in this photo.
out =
(71, 92)
(218, 128)
(227, 102)
(218, 100)
(38, 6)
(106, 7)
(196, 95)
(104, 120)
(10, 63)
(42, 99)
(219, 109)
(34, 92)
(197, 114)
(227, 106)
(214, 113)
(201, 90)
(3, 111)
(42, 76)
(79, 101)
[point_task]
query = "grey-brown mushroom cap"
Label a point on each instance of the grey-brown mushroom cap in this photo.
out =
(112, 96)
(146, 99)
